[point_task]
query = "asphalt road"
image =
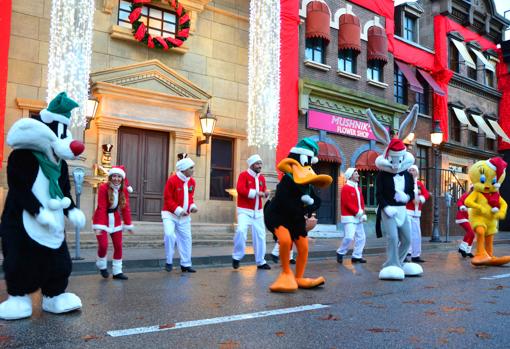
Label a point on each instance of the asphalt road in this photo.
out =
(449, 307)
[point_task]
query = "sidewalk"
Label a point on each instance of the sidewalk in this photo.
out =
(141, 258)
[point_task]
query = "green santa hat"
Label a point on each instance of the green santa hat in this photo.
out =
(308, 147)
(59, 109)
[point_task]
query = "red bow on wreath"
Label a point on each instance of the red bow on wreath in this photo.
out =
(140, 31)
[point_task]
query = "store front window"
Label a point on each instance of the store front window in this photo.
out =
(367, 185)
(222, 168)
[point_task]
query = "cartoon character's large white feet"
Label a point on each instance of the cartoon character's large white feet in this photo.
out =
(412, 269)
(391, 273)
(16, 307)
(62, 303)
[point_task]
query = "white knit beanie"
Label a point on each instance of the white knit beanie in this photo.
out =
(348, 173)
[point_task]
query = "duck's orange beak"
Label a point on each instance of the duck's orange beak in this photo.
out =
(304, 174)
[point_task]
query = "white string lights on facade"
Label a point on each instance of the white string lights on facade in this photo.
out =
(70, 53)
(264, 73)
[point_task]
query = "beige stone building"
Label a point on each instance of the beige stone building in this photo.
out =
(150, 100)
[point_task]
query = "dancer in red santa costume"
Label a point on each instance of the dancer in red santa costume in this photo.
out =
(112, 202)
(414, 208)
(251, 189)
(177, 207)
(352, 208)
(462, 219)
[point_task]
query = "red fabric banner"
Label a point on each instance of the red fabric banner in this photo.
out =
(504, 104)
(5, 34)
(289, 58)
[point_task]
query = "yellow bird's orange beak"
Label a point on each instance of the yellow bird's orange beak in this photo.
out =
(304, 174)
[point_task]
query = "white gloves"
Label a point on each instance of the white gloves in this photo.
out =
(46, 217)
(77, 218)
(400, 196)
(390, 211)
(307, 199)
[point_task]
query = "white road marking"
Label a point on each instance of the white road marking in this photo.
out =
(494, 277)
(216, 320)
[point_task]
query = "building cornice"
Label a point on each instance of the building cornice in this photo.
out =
(333, 98)
(30, 104)
(469, 85)
(467, 151)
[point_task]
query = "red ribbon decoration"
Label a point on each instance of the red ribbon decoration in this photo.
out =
(133, 16)
(183, 33)
(184, 19)
(140, 32)
(150, 43)
(175, 42)
(162, 42)
(179, 10)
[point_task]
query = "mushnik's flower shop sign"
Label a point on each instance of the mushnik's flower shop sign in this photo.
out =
(338, 124)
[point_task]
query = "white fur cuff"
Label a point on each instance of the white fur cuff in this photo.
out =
(178, 211)
(252, 194)
(463, 208)
(422, 199)
(495, 209)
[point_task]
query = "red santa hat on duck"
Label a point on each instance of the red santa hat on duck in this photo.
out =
(395, 148)
(121, 171)
(498, 165)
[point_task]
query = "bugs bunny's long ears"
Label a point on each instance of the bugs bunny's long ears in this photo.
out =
(380, 132)
(409, 123)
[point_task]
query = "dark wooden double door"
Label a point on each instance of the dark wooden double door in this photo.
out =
(145, 155)
(327, 212)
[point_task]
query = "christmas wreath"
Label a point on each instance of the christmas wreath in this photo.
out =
(141, 32)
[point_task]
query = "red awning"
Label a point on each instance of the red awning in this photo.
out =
(349, 33)
(328, 153)
(432, 83)
(366, 161)
(414, 84)
(377, 48)
(317, 21)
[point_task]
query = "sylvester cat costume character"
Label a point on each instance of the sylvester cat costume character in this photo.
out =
(32, 230)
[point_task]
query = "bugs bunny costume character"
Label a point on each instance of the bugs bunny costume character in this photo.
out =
(394, 188)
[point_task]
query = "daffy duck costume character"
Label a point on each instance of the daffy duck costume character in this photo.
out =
(285, 215)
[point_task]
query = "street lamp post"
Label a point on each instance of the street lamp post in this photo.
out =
(207, 123)
(436, 137)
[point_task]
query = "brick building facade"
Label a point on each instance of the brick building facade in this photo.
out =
(336, 82)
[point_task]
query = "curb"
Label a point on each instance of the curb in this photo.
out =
(89, 267)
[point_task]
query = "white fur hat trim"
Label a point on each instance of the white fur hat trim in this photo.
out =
(253, 159)
(116, 170)
(348, 173)
(184, 164)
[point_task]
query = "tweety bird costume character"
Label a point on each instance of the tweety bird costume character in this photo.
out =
(486, 208)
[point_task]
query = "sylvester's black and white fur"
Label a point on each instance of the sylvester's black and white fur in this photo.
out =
(32, 228)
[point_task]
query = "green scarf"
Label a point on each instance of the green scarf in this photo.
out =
(52, 172)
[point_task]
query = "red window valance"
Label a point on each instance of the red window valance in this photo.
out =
(328, 153)
(366, 161)
(317, 21)
(349, 33)
(377, 44)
